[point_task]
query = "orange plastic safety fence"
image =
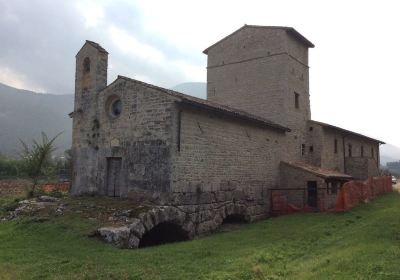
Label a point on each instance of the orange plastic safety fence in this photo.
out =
(61, 187)
(280, 205)
(355, 192)
(351, 194)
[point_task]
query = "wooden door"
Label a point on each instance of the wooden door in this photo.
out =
(113, 176)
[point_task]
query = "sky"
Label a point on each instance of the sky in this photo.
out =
(354, 67)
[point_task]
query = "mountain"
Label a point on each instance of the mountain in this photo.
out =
(389, 153)
(194, 89)
(25, 114)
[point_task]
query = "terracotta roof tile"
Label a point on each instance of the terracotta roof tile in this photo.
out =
(318, 171)
(346, 131)
(208, 105)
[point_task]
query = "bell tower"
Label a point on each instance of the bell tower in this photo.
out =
(90, 79)
(91, 70)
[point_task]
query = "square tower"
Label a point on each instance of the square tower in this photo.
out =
(264, 70)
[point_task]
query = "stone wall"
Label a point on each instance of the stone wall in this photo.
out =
(329, 158)
(226, 162)
(361, 167)
(314, 139)
(294, 180)
(140, 136)
(323, 141)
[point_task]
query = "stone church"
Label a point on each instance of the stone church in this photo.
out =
(223, 155)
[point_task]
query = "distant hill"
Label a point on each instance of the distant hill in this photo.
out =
(194, 89)
(24, 114)
(389, 153)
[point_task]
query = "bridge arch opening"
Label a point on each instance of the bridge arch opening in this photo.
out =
(234, 219)
(162, 233)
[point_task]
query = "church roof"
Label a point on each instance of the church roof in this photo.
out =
(345, 131)
(212, 106)
(97, 46)
(318, 171)
(289, 30)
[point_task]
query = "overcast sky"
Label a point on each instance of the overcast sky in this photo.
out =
(354, 72)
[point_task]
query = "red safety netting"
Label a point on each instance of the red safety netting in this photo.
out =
(350, 194)
(280, 205)
(355, 192)
(61, 187)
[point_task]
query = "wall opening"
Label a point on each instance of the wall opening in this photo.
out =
(232, 222)
(234, 219)
(296, 100)
(163, 233)
(86, 65)
(336, 146)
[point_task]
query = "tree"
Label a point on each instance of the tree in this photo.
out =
(37, 159)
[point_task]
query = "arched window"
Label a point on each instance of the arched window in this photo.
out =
(86, 65)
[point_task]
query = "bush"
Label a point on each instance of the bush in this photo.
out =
(11, 168)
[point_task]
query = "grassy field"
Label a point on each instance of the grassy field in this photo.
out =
(361, 244)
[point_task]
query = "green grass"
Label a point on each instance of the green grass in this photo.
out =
(361, 244)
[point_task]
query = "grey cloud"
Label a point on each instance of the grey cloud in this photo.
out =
(39, 39)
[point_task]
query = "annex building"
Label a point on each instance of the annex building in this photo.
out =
(221, 156)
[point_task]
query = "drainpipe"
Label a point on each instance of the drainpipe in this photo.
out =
(344, 157)
(378, 157)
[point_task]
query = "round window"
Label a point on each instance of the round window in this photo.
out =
(116, 108)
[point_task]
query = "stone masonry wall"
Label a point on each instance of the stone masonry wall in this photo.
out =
(359, 165)
(314, 138)
(222, 163)
(140, 136)
(294, 178)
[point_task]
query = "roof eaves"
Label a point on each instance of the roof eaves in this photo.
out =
(236, 114)
(316, 173)
(198, 102)
(290, 30)
(97, 46)
(347, 131)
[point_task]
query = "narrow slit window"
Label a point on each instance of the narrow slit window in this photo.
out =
(303, 149)
(335, 146)
(362, 150)
(86, 65)
(296, 100)
(350, 150)
(311, 149)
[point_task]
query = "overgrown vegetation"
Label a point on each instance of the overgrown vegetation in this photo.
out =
(37, 159)
(361, 244)
(34, 154)
(11, 168)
